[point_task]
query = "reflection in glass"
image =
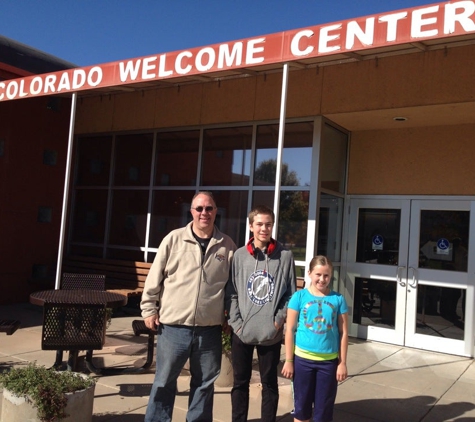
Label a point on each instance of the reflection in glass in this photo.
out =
(232, 210)
(89, 216)
(82, 250)
(227, 156)
(335, 285)
(133, 159)
(300, 271)
(293, 218)
(375, 302)
(93, 165)
(443, 240)
(333, 155)
(170, 211)
(330, 227)
(440, 311)
(125, 254)
(296, 155)
(177, 158)
(128, 218)
(378, 236)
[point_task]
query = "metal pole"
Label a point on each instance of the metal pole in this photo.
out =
(278, 167)
(66, 192)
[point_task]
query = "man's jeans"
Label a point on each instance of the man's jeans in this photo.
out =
(269, 358)
(176, 344)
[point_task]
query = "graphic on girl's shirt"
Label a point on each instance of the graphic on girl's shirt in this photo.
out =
(260, 287)
(318, 324)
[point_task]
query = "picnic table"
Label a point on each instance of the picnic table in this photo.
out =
(75, 320)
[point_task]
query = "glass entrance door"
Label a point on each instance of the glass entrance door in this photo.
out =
(376, 266)
(439, 290)
(408, 265)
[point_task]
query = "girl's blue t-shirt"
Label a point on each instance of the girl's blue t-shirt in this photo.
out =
(317, 329)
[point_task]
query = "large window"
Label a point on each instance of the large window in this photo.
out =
(94, 160)
(131, 190)
(177, 158)
(296, 157)
(133, 157)
(293, 218)
(227, 156)
(295, 180)
(170, 210)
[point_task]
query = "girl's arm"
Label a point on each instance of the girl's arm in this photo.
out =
(291, 326)
(342, 371)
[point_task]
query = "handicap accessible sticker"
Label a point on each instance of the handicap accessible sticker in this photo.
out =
(377, 242)
(443, 246)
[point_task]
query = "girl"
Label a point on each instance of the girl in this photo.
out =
(316, 359)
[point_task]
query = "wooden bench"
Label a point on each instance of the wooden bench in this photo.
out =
(126, 277)
(9, 326)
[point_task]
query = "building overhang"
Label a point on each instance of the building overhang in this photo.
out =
(407, 31)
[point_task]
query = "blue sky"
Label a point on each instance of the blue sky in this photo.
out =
(87, 32)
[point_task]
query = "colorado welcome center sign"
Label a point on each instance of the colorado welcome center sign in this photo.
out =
(393, 28)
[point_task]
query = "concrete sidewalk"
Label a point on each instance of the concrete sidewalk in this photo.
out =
(386, 383)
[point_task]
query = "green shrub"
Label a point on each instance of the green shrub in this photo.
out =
(45, 387)
(226, 342)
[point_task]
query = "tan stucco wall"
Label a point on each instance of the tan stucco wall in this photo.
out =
(417, 161)
(419, 79)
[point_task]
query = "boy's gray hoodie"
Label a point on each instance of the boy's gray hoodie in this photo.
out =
(257, 295)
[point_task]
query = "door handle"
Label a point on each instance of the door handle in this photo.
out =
(399, 279)
(415, 280)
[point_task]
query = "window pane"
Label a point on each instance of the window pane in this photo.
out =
(333, 159)
(375, 302)
(93, 166)
(293, 221)
(133, 159)
(263, 198)
(232, 212)
(177, 158)
(296, 155)
(293, 218)
(170, 211)
(330, 227)
(86, 250)
(378, 236)
(129, 218)
(267, 138)
(444, 240)
(227, 156)
(89, 216)
(440, 311)
(300, 272)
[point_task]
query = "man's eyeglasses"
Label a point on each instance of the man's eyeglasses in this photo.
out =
(209, 208)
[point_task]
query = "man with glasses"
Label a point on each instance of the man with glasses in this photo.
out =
(183, 299)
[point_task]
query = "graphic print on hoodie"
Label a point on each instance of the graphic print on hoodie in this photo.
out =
(260, 287)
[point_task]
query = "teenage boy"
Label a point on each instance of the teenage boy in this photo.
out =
(262, 282)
